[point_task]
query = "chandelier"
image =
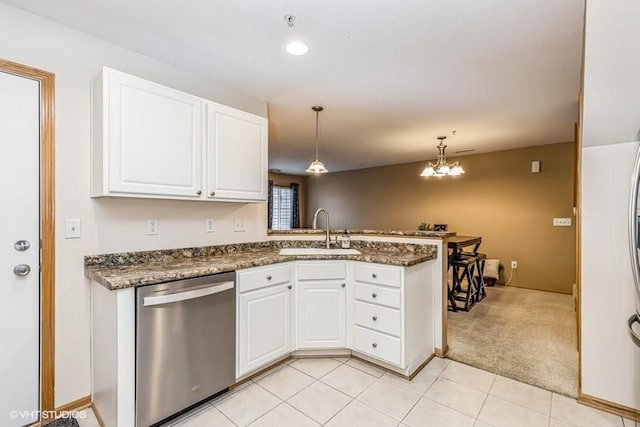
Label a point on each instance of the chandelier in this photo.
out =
(442, 167)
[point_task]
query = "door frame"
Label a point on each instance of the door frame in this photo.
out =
(47, 229)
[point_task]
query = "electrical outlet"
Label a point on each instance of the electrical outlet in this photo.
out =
(153, 226)
(514, 264)
(209, 226)
(239, 224)
(72, 229)
(562, 222)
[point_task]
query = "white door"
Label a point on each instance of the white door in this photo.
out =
(321, 315)
(264, 327)
(19, 222)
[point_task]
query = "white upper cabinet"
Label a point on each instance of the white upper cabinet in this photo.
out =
(147, 139)
(236, 156)
(153, 141)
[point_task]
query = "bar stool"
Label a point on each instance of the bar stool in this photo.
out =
(479, 274)
(463, 268)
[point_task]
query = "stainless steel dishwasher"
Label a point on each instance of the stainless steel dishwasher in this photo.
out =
(185, 344)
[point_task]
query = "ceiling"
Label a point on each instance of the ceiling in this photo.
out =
(391, 75)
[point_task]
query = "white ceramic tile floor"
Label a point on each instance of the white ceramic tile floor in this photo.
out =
(329, 392)
(87, 418)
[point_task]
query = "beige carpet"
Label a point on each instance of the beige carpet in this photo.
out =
(526, 335)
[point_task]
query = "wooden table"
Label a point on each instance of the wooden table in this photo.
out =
(457, 243)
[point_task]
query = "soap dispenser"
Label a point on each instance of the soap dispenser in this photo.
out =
(346, 240)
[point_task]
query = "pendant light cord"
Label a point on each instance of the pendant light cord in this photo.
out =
(317, 114)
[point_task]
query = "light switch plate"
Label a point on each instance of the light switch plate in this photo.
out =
(238, 224)
(562, 222)
(209, 225)
(72, 228)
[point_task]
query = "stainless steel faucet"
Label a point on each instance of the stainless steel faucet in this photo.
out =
(315, 223)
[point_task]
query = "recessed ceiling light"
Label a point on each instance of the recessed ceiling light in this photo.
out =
(297, 48)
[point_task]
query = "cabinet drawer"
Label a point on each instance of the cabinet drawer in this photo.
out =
(380, 318)
(256, 278)
(378, 345)
(379, 275)
(378, 295)
(318, 270)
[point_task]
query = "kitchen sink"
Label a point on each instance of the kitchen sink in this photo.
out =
(318, 251)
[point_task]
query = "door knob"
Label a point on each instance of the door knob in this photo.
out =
(21, 245)
(21, 270)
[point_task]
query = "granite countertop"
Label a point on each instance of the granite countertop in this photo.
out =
(408, 233)
(125, 270)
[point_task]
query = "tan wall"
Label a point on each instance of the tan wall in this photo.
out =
(284, 180)
(497, 198)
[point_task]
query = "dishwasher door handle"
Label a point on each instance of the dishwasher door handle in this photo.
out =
(187, 295)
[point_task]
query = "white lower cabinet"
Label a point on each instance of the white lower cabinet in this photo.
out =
(321, 315)
(321, 305)
(263, 317)
(392, 314)
(380, 312)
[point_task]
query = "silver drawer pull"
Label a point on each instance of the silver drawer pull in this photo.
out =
(374, 295)
(268, 277)
(374, 345)
(374, 275)
(374, 318)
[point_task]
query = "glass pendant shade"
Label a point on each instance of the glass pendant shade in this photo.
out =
(428, 171)
(442, 167)
(316, 167)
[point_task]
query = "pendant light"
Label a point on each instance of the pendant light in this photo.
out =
(442, 167)
(316, 166)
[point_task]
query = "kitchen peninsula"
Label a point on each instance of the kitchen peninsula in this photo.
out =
(383, 304)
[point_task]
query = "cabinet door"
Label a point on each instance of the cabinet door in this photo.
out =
(321, 314)
(236, 154)
(264, 327)
(154, 138)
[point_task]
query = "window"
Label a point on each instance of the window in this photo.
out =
(281, 208)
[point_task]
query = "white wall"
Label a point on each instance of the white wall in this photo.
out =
(610, 360)
(611, 64)
(610, 124)
(108, 225)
